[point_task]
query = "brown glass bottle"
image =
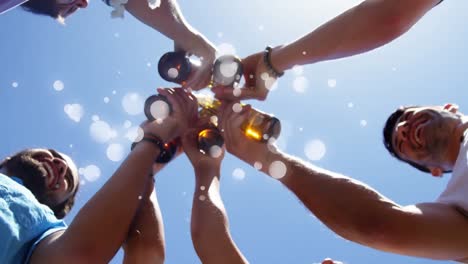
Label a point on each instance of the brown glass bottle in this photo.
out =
(176, 67)
(258, 126)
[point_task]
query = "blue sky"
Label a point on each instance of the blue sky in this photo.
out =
(342, 104)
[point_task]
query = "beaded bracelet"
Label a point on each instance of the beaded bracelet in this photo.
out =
(267, 61)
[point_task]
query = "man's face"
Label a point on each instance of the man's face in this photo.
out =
(51, 176)
(68, 7)
(423, 134)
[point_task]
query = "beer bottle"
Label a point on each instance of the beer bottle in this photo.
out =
(258, 126)
(176, 67)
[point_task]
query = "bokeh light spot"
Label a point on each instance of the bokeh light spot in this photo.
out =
(58, 85)
(277, 169)
(133, 103)
(74, 111)
(115, 152)
(91, 173)
(315, 150)
(238, 174)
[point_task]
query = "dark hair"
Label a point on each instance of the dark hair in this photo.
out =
(61, 210)
(42, 7)
(388, 130)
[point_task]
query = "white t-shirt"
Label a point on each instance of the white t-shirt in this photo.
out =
(456, 192)
(6, 5)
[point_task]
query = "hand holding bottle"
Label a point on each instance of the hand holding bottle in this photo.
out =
(202, 160)
(159, 107)
(258, 81)
(169, 115)
(239, 141)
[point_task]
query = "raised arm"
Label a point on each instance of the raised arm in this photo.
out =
(101, 226)
(209, 225)
(351, 208)
(367, 26)
(145, 239)
(168, 19)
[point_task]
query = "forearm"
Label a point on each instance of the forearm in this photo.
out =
(101, 226)
(145, 240)
(348, 207)
(209, 225)
(362, 28)
(358, 213)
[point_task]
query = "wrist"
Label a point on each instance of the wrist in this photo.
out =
(202, 47)
(276, 165)
(265, 157)
(202, 169)
(166, 130)
(271, 69)
(278, 59)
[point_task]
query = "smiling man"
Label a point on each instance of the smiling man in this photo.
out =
(430, 138)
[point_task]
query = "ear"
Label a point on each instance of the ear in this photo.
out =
(436, 172)
(453, 108)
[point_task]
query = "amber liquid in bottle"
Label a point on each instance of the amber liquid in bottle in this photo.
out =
(258, 126)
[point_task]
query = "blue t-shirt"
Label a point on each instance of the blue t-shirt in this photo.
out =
(24, 222)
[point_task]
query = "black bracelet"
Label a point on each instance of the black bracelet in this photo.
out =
(267, 61)
(166, 150)
(153, 139)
